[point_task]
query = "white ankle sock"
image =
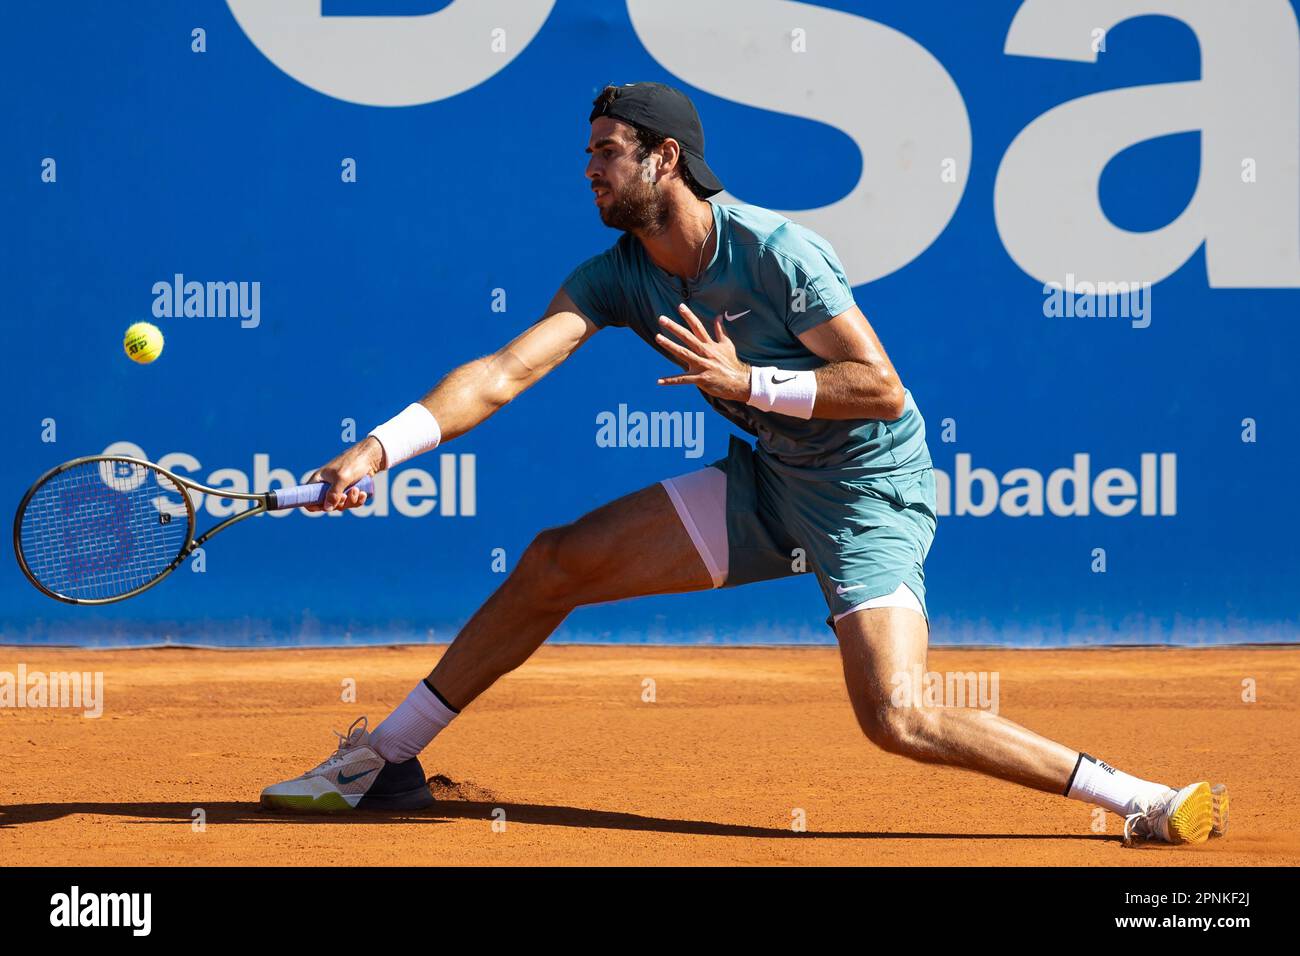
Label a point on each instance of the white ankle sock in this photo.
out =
(1096, 782)
(411, 727)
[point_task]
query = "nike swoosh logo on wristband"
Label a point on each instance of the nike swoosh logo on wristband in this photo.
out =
(782, 381)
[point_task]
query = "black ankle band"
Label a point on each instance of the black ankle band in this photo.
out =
(443, 700)
(1073, 773)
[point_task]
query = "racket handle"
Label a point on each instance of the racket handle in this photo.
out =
(312, 494)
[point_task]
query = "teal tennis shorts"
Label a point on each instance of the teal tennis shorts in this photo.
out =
(862, 538)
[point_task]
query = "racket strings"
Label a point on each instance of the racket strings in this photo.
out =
(102, 529)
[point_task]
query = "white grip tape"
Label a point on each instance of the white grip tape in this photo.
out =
(781, 391)
(411, 432)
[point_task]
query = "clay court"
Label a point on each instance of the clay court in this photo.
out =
(585, 772)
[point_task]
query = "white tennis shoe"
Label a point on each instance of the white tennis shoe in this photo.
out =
(1190, 815)
(354, 777)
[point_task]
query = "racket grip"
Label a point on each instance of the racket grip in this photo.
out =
(312, 494)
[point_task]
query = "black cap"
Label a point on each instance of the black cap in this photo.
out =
(667, 111)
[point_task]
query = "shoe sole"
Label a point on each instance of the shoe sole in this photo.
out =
(325, 803)
(1192, 818)
(1219, 793)
(417, 799)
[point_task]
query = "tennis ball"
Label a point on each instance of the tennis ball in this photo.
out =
(143, 342)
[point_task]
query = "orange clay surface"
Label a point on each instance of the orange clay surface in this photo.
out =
(586, 772)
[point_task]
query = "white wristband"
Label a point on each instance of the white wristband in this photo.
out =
(784, 392)
(411, 432)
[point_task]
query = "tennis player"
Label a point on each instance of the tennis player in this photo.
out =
(758, 313)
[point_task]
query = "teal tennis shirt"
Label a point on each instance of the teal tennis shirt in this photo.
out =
(770, 279)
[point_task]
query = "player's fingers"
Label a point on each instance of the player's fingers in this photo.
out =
(694, 342)
(693, 321)
(684, 356)
(335, 494)
(347, 479)
(680, 380)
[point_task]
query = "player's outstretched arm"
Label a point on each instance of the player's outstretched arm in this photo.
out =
(472, 393)
(467, 396)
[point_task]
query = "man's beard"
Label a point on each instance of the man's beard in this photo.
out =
(639, 207)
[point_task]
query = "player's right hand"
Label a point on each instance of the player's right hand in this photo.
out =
(349, 467)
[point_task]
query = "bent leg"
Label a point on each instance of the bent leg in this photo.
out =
(631, 547)
(878, 645)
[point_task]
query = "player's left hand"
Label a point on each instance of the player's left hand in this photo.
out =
(710, 360)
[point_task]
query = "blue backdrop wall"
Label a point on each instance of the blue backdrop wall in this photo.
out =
(398, 187)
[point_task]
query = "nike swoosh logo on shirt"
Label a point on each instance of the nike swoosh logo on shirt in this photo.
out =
(841, 589)
(345, 779)
(732, 318)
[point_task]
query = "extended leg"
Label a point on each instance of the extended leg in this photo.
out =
(883, 645)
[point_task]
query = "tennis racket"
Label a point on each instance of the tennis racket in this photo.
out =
(105, 528)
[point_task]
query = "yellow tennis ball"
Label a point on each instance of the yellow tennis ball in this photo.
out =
(143, 342)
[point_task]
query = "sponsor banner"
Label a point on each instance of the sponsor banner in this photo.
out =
(1075, 228)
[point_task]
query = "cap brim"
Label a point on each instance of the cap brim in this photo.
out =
(703, 175)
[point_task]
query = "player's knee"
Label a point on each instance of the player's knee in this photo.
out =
(554, 569)
(897, 730)
(538, 570)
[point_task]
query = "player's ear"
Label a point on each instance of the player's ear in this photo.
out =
(672, 155)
